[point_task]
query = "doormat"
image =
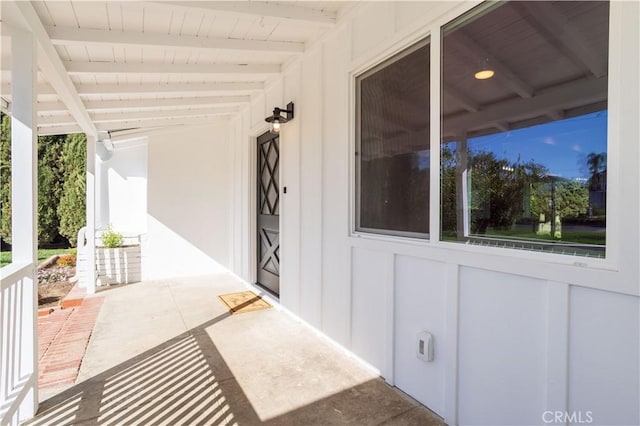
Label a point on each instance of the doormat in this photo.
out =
(245, 301)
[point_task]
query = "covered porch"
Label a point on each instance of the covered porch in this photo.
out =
(365, 206)
(169, 352)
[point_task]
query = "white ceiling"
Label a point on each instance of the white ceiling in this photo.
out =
(136, 64)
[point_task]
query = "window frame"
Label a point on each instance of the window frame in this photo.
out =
(609, 260)
(591, 272)
(355, 152)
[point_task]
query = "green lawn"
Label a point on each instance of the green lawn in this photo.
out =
(583, 237)
(43, 254)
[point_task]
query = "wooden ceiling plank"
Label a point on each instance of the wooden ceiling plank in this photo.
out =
(132, 124)
(160, 115)
(165, 103)
(470, 48)
(58, 130)
(562, 33)
(43, 89)
(146, 104)
(145, 88)
(93, 68)
(260, 8)
(68, 120)
(85, 36)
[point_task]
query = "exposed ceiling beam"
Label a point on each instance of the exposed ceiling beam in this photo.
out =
(130, 124)
(43, 89)
(460, 98)
(158, 115)
(44, 107)
(83, 36)
(556, 115)
(469, 48)
(141, 115)
(137, 124)
(58, 130)
(560, 32)
(150, 68)
(570, 95)
(51, 66)
(49, 107)
(56, 120)
(152, 88)
(259, 8)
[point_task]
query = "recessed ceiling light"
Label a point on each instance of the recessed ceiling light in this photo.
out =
(484, 74)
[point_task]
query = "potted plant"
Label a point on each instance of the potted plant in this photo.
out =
(117, 262)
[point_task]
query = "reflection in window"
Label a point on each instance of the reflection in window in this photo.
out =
(392, 159)
(524, 127)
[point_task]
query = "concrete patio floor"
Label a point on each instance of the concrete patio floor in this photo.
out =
(168, 353)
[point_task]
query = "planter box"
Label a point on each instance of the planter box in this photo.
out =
(121, 265)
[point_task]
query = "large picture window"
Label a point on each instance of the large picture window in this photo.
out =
(524, 126)
(392, 153)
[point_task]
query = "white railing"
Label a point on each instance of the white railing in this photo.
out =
(18, 296)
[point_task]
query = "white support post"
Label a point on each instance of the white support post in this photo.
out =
(91, 214)
(24, 210)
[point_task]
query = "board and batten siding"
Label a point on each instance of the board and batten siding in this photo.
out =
(516, 333)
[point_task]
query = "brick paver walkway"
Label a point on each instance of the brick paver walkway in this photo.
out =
(63, 337)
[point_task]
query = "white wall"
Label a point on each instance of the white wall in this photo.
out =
(516, 333)
(122, 199)
(189, 202)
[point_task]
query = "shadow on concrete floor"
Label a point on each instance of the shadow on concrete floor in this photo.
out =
(185, 381)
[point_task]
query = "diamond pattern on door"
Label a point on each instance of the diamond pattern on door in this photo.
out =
(270, 251)
(269, 158)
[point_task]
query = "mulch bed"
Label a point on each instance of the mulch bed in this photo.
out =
(54, 284)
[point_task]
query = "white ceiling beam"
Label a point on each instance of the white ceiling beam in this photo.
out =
(75, 68)
(469, 48)
(289, 11)
(142, 115)
(128, 134)
(560, 32)
(130, 124)
(131, 127)
(161, 115)
(47, 107)
(51, 66)
(556, 115)
(43, 89)
(570, 95)
(138, 124)
(460, 98)
(83, 36)
(57, 120)
(152, 88)
(58, 130)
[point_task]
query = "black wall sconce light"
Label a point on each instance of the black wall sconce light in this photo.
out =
(276, 119)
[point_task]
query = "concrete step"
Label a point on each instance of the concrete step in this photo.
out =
(74, 298)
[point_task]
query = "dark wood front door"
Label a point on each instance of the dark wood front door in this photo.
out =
(268, 212)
